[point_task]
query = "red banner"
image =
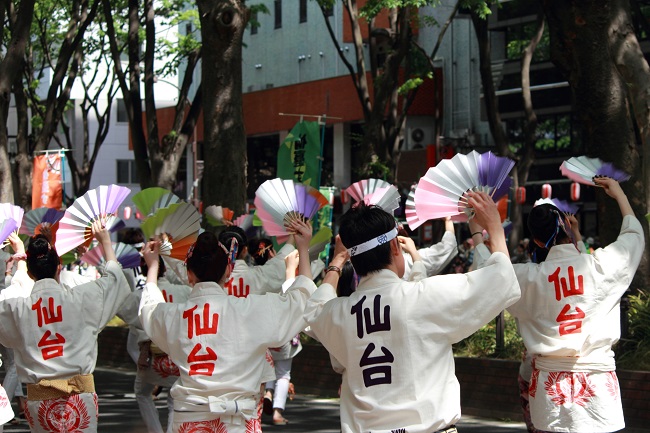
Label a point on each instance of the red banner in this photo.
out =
(47, 189)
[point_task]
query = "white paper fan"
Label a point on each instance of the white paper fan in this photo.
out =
(440, 191)
(99, 203)
(8, 210)
(583, 169)
(365, 187)
(126, 255)
(218, 215)
(375, 192)
(178, 225)
(278, 202)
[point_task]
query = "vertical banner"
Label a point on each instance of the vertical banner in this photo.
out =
(299, 153)
(47, 186)
(325, 218)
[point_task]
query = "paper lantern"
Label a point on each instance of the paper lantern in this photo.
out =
(127, 212)
(344, 196)
(575, 191)
(547, 190)
(521, 195)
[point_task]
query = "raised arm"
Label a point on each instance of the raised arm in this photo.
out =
(104, 238)
(302, 236)
(487, 216)
(613, 189)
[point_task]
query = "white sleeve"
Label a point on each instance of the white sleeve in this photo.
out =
(436, 257)
(418, 271)
(151, 298)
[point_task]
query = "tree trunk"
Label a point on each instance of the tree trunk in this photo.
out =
(9, 69)
(585, 37)
(224, 146)
(23, 165)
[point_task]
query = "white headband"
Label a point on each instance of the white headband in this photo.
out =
(373, 243)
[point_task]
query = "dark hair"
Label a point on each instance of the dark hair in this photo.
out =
(260, 250)
(546, 224)
(207, 260)
(234, 232)
(347, 281)
(161, 267)
(42, 259)
(360, 224)
(133, 236)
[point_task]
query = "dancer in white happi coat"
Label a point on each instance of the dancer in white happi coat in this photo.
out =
(392, 338)
(155, 367)
(53, 332)
(436, 257)
(219, 341)
(246, 279)
(569, 318)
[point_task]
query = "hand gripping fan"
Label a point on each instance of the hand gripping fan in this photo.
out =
(319, 241)
(36, 220)
(178, 226)
(8, 210)
(440, 191)
(279, 202)
(218, 216)
(562, 205)
(151, 199)
(126, 255)
(7, 226)
(583, 169)
(375, 192)
(99, 203)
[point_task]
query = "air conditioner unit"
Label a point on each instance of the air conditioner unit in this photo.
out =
(419, 137)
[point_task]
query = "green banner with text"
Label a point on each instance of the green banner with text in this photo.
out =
(299, 153)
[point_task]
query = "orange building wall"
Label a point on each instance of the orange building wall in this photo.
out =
(335, 97)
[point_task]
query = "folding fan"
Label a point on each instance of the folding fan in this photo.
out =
(126, 255)
(440, 192)
(245, 221)
(151, 199)
(361, 189)
(99, 203)
(8, 210)
(36, 220)
(375, 192)
(562, 205)
(409, 209)
(178, 226)
(218, 216)
(583, 169)
(319, 241)
(280, 202)
(7, 226)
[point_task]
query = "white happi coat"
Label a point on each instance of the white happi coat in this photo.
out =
(392, 339)
(245, 280)
(569, 318)
(434, 258)
(219, 343)
(54, 330)
(162, 370)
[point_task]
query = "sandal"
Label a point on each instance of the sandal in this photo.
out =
(283, 421)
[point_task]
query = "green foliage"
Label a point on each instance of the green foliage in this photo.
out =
(482, 344)
(633, 352)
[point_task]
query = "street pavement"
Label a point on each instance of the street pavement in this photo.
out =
(118, 411)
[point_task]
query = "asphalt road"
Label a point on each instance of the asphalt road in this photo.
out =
(118, 412)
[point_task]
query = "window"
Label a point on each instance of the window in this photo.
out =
(126, 172)
(122, 116)
(254, 23)
(277, 4)
(303, 11)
